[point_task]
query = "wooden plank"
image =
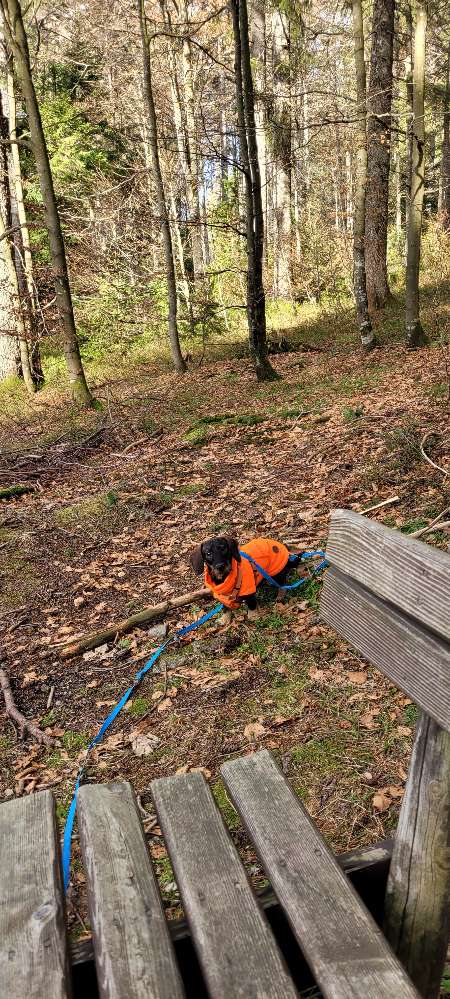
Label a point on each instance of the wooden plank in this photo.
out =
(34, 959)
(133, 952)
(235, 947)
(342, 944)
(417, 901)
(417, 661)
(407, 572)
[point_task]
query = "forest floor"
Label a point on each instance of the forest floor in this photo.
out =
(108, 530)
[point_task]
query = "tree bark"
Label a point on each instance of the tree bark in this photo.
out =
(177, 357)
(444, 184)
(282, 153)
(359, 256)
(256, 305)
(415, 336)
(379, 153)
(16, 315)
(18, 45)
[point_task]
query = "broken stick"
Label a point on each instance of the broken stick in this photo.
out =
(14, 713)
(92, 640)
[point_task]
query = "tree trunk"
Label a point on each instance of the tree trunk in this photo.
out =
(16, 329)
(359, 257)
(178, 359)
(444, 185)
(18, 45)
(256, 305)
(259, 51)
(415, 336)
(378, 153)
(282, 154)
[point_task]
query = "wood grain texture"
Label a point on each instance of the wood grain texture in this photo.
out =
(34, 956)
(417, 920)
(412, 657)
(407, 572)
(235, 947)
(342, 944)
(133, 952)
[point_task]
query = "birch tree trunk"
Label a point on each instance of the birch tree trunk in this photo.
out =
(178, 359)
(379, 153)
(18, 45)
(256, 306)
(282, 139)
(359, 257)
(444, 180)
(415, 336)
(18, 327)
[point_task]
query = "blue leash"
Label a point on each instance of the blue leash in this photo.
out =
(68, 828)
(67, 841)
(292, 586)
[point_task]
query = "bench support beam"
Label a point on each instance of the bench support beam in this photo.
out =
(417, 918)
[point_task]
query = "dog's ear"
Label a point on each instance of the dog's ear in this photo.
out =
(234, 547)
(196, 560)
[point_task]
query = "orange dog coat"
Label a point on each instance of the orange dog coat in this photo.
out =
(243, 579)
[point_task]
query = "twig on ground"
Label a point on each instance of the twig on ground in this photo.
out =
(424, 530)
(13, 712)
(443, 525)
(50, 698)
(430, 461)
(91, 641)
(377, 506)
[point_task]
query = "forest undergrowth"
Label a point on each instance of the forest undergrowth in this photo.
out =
(117, 499)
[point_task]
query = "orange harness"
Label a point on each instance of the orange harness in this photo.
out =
(243, 578)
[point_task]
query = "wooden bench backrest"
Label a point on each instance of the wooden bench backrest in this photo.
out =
(389, 596)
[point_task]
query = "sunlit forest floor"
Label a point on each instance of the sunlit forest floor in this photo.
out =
(121, 495)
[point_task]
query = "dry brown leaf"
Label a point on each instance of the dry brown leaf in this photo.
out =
(404, 730)
(164, 705)
(381, 801)
(30, 677)
(394, 791)
(143, 745)
(201, 770)
(367, 720)
(358, 677)
(254, 731)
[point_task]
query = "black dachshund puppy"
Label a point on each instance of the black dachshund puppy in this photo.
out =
(233, 579)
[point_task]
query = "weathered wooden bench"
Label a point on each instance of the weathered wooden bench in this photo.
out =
(390, 597)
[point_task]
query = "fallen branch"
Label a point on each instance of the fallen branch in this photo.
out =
(370, 509)
(92, 640)
(15, 491)
(14, 713)
(443, 525)
(426, 456)
(424, 530)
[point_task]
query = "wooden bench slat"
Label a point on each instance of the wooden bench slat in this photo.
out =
(133, 951)
(345, 949)
(235, 947)
(34, 957)
(407, 572)
(415, 660)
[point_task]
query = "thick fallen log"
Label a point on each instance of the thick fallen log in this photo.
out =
(108, 634)
(14, 713)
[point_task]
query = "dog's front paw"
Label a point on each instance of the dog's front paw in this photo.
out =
(226, 618)
(253, 615)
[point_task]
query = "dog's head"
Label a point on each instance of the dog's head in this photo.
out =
(218, 554)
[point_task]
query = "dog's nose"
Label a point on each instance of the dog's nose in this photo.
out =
(220, 566)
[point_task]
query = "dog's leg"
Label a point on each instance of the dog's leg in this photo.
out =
(226, 618)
